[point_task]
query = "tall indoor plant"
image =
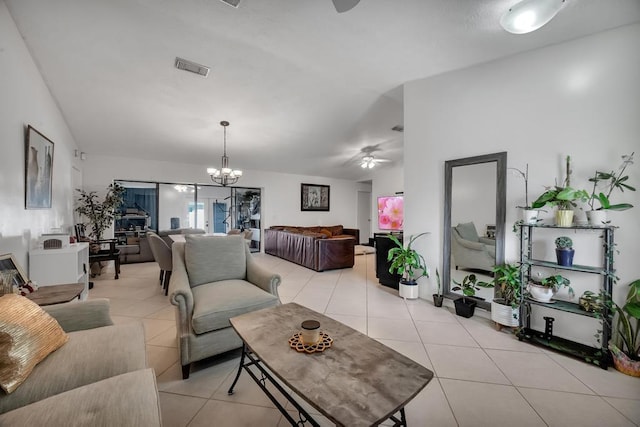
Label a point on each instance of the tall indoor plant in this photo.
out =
(608, 181)
(407, 262)
(100, 214)
(626, 343)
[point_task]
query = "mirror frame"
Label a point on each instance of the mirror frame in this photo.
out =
(501, 195)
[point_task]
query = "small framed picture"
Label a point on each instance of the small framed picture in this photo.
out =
(9, 263)
(314, 197)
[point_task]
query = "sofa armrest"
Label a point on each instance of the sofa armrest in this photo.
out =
(260, 277)
(487, 241)
(355, 232)
(476, 246)
(76, 316)
(180, 293)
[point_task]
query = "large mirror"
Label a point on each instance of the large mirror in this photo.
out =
(474, 221)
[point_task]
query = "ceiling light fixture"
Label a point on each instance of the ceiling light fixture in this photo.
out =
(367, 162)
(225, 175)
(529, 15)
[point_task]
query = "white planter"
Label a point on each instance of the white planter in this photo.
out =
(530, 216)
(564, 218)
(597, 218)
(409, 291)
(504, 314)
(540, 293)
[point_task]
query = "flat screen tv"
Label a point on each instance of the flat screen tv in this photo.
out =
(390, 213)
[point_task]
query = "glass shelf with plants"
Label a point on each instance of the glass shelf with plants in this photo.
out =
(539, 292)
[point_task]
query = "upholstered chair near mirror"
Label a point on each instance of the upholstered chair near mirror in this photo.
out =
(474, 221)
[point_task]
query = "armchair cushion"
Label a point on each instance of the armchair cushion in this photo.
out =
(229, 261)
(468, 231)
(216, 303)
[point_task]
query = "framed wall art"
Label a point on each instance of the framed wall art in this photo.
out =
(38, 170)
(9, 264)
(314, 197)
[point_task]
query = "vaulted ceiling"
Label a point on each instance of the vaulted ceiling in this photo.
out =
(305, 89)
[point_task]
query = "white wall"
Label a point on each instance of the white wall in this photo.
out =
(580, 98)
(25, 99)
(280, 192)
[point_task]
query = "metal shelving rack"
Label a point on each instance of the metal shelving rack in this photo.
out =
(598, 356)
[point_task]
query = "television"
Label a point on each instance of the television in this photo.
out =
(390, 213)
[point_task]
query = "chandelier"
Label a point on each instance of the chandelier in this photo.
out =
(225, 175)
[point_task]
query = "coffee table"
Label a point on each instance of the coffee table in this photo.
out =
(56, 294)
(356, 382)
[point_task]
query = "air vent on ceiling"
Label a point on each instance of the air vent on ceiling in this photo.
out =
(183, 64)
(398, 128)
(233, 3)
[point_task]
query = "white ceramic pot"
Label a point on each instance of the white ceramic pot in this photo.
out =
(530, 216)
(540, 293)
(564, 218)
(504, 314)
(597, 218)
(409, 291)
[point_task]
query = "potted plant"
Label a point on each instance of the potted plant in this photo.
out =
(465, 306)
(505, 308)
(437, 297)
(611, 181)
(564, 251)
(100, 214)
(563, 197)
(625, 347)
(407, 262)
(529, 214)
(543, 290)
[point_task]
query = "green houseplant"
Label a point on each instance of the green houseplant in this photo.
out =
(100, 214)
(407, 262)
(466, 306)
(564, 251)
(564, 197)
(625, 346)
(505, 307)
(529, 214)
(544, 289)
(438, 297)
(608, 181)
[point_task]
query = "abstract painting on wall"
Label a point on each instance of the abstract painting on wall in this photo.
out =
(38, 170)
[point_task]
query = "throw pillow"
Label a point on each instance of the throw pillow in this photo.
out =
(27, 335)
(326, 232)
(468, 231)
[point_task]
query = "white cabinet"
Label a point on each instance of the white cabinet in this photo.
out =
(61, 266)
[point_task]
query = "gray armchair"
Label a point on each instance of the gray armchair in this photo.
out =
(214, 279)
(162, 255)
(471, 251)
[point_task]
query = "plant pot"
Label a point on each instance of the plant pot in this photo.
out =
(597, 218)
(565, 256)
(437, 300)
(564, 218)
(540, 293)
(465, 307)
(530, 216)
(623, 363)
(504, 314)
(409, 289)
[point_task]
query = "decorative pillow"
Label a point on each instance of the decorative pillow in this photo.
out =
(468, 231)
(326, 232)
(335, 230)
(27, 335)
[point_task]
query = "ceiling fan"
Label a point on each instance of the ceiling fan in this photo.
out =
(370, 161)
(340, 5)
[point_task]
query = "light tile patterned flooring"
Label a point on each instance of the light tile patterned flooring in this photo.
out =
(483, 377)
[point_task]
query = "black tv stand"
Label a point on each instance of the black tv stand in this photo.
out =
(383, 243)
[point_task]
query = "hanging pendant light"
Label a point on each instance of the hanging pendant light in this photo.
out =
(225, 175)
(529, 15)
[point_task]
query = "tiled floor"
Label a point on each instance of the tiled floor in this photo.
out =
(483, 377)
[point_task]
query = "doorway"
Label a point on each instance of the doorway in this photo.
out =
(219, 220)
(364, 216)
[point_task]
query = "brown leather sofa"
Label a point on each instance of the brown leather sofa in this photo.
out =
(318, 248)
